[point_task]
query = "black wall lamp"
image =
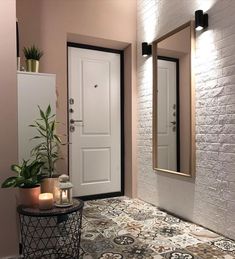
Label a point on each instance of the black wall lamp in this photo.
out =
(201, 20)
(146, 49)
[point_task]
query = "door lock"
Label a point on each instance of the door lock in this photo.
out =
(71, 128)
(71, 101)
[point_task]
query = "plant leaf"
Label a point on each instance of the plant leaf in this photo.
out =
(57, 138)
(42, 127)
(16, 168)
(36, 137)
(35, 169)
(28, 183)
(9, 182)
(52, 126)
(48, 111)
(42, 113)
(19, 181)
(41, 133)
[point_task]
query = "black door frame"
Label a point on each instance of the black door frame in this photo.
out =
(121, 53)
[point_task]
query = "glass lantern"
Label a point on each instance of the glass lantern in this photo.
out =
(64, 192)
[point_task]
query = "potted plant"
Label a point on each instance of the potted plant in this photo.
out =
(27, 178)
(48, 148)
(32, 56)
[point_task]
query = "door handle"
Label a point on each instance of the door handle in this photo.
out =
(173, 123)
(72, 121)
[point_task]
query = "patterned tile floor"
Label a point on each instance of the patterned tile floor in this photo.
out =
(129, 228)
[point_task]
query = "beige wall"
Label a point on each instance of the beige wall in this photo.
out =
(8, 128)
(107, 23)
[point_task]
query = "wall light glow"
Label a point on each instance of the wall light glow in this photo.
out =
(205, 47)
(205, 5)
(147, 78)
(206, 56)
(150, 20)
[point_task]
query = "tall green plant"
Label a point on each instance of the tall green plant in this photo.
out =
(47, 150)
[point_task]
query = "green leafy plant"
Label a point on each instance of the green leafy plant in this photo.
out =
(32, 53)
(28, 175)
(47, 150)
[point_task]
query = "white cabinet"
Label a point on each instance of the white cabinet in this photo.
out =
(33, 89)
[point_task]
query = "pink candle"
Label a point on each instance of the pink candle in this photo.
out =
(45, 201)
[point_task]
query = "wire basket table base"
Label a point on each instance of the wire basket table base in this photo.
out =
(51, 235)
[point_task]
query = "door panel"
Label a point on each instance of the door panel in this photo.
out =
(96, 91)
(100, 158)
(94, 85)
(167, 138)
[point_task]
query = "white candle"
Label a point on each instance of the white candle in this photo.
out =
(64, 197)
(45, 201)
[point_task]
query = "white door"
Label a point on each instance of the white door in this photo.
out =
(167, 141)
(94, 92)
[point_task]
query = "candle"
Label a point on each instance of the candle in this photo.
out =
(45, 201)
(64, 197)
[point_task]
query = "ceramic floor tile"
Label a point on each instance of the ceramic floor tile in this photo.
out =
(206, 251)
(180, 254)
(121, 227)
(184, 240)
(225, 245)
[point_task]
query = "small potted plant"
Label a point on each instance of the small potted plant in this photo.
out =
(47, 149)
(32, 56)
(27, 178)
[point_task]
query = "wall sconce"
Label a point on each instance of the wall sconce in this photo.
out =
(201, 20)
(146, 49)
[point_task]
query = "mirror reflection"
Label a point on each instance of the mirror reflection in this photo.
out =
(173, 108)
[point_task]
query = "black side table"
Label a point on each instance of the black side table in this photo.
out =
(51, 234)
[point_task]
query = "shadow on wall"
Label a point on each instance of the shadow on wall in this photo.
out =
(176, 194)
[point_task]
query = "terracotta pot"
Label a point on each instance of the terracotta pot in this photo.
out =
(49, 185)
(29, 196)
(32, 65)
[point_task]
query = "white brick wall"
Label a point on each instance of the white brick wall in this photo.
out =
(210, 199)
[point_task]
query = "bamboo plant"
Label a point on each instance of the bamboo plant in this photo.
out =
(48, 148)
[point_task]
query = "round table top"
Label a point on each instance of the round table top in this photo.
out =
(55, 211)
